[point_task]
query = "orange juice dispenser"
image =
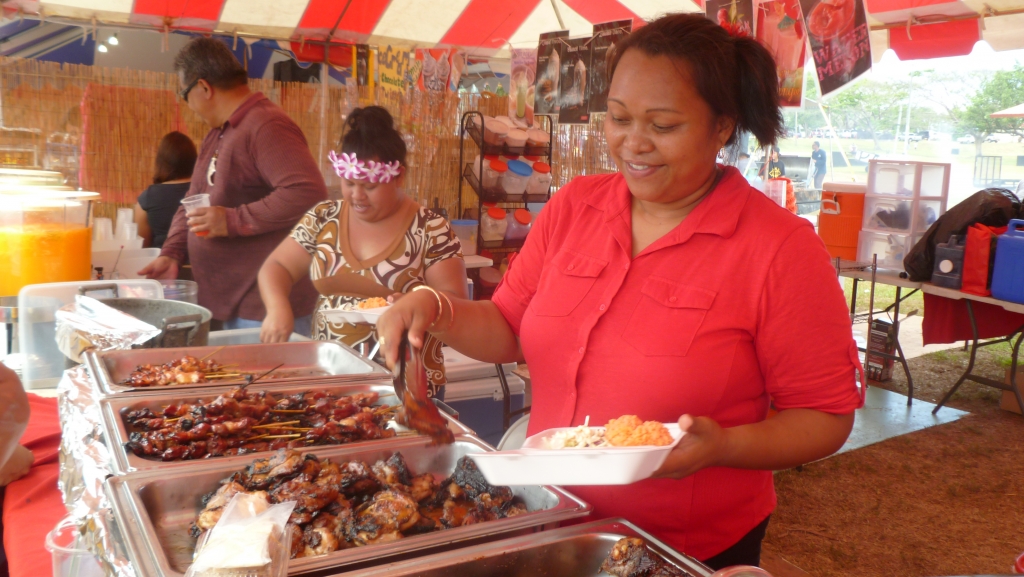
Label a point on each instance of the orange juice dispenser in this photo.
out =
(45, 230)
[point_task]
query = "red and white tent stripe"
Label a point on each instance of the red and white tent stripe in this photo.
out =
(913, 28)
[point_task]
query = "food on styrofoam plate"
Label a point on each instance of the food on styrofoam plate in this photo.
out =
(625, 431)
(365, 304)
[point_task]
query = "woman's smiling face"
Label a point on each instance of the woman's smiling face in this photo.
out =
(661, 134)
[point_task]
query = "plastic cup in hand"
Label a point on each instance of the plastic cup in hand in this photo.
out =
(191, 203)
(103, 229)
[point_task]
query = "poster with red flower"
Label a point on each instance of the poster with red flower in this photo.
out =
(780, 28)
(840, 43)
(736, 16)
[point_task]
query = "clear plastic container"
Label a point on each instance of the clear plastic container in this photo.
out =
(934, 180)
(493, 173)
(509, 157)
(70, 557)
(466, 231)
(516, 141)
(890, 248)
(493, 225)
(888, 214)
(892, 178)
(776, 190)
(536, 138)
(181, 290)
(531, 160)
(928, 211)
(540, 180)
(475, 167)
(515, 179)
(519, 223)
(495, 131)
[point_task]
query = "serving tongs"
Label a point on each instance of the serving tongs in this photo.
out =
(418, 411)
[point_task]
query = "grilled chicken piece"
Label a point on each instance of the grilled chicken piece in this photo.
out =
(215, 503)
(357, 480)
(423, 487)
(393, 471)
(321, 536)
(467, 482)
(298, 543)
(309, 498)
(631, 558)
(384, 518)
(265, 472)
(418, 412)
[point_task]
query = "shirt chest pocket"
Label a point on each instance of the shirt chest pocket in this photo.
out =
(667, 317)
(565, 282)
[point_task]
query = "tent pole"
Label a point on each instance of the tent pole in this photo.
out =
(558, 15)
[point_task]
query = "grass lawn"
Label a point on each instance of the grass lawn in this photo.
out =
(885, 295)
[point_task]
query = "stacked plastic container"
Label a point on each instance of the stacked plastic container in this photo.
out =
(903, 199)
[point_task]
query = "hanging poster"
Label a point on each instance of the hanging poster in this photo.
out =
(736, 16)
(574, 100)
(840, 46)
(392, 63)
(780, 28)
(363, 75)
(605, 36)
(436, 68)
(521, 86)
(456, 63)
(548, 70)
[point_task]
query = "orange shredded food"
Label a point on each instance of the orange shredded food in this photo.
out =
(372, 303)
(630, 431)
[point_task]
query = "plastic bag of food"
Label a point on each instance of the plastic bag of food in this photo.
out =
(251, 539)
(89, 323)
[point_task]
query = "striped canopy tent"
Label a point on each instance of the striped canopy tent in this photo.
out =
(1012, 112)
(914, 29)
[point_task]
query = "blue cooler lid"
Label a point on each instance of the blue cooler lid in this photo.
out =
(519, 167)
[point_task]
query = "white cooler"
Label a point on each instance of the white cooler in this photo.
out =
(474, 391)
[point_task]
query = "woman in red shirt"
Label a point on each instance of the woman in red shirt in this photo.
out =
(673, 290)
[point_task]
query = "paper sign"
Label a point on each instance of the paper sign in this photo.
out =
(522, 85)
(574, 90)
(780, 28)
(548, 71)
(840, 46)
(392, 63)
(606, 35)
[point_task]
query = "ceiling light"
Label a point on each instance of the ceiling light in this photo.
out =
(112, 40)
(102, 48)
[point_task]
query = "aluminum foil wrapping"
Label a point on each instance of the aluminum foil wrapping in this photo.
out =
(84, 465)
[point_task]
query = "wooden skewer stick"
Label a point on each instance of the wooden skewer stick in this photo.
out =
(275, 425)
(295, 436)
(254, 438)
(287, 410)
(303, 429)
(172, 420)
(215, 351)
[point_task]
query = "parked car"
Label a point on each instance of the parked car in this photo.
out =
(991, 138)
(915, 138)
(966, 139)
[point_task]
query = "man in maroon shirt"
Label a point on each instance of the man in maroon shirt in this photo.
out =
(256, 166)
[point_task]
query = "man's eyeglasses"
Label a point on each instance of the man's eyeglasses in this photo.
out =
(184, 93)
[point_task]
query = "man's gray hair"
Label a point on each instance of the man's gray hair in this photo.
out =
(210, 59)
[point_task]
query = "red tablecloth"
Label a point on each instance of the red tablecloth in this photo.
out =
(946, 320)
(33, 505)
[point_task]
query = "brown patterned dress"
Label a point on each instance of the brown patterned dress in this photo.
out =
(342, 278)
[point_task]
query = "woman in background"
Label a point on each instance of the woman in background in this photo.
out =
(175, 159)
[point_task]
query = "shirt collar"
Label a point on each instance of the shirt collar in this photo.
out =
(243, 108)
(717, 214)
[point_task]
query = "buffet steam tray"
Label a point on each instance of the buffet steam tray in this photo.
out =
(305, 361)
(575, 551)
(153, 509)
(125, 461)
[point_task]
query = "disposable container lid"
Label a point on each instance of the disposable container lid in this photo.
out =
(541, 167)
(522, 215)
(519, 167)
(850, 187)
(496, 126)
(490, 204)
(517, 134)
(496, 213)
(465, 222)
(538, 135)
(498, 166)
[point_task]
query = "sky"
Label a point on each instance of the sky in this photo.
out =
(981, 58)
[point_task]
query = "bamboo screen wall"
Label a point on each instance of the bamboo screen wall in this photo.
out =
(117, 117)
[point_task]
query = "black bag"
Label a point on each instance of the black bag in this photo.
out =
(992, 207)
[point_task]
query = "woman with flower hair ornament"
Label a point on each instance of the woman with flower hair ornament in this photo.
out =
(375, 242)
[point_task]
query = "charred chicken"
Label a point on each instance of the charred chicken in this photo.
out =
(630, 557)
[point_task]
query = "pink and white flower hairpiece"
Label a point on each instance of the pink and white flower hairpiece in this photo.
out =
(349, 167)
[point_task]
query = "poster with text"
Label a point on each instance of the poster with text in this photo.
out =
(456, 63)
(780, 28)
(362, 65)
(522, 85)
(548, 70)
(606, 35)
(392, 64)
(840, 46)
(736, 16)
(435, 69)
(574, 95)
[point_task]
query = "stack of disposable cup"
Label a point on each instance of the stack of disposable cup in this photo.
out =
(124, 216)
(102, 229)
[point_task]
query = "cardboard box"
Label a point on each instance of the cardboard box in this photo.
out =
(1009, 400)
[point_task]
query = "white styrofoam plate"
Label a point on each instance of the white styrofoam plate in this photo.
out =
(534, 464)
(355, 316)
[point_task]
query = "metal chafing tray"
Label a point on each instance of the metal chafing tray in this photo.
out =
(153, 509)
(306, 361)
(575, 551)
(125, 461)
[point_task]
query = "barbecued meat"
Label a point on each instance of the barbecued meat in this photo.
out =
(185, 370)
(240, 422)
(390, 501)
(630, 557)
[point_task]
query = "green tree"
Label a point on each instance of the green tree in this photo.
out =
(1001, 90)
(869, 105)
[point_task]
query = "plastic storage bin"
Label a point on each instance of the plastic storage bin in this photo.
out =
(949, 264)
(887, 214)
(515, 178)
(890, 248)
(1008, 270)
(493, 173)
(892, 178)
(466, 231)
(493, 225)
(518, 224)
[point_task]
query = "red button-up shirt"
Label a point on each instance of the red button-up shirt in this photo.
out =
(736, 305)
(266, 179)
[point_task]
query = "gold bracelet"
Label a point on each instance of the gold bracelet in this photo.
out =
(451, 307)
(440, 305)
